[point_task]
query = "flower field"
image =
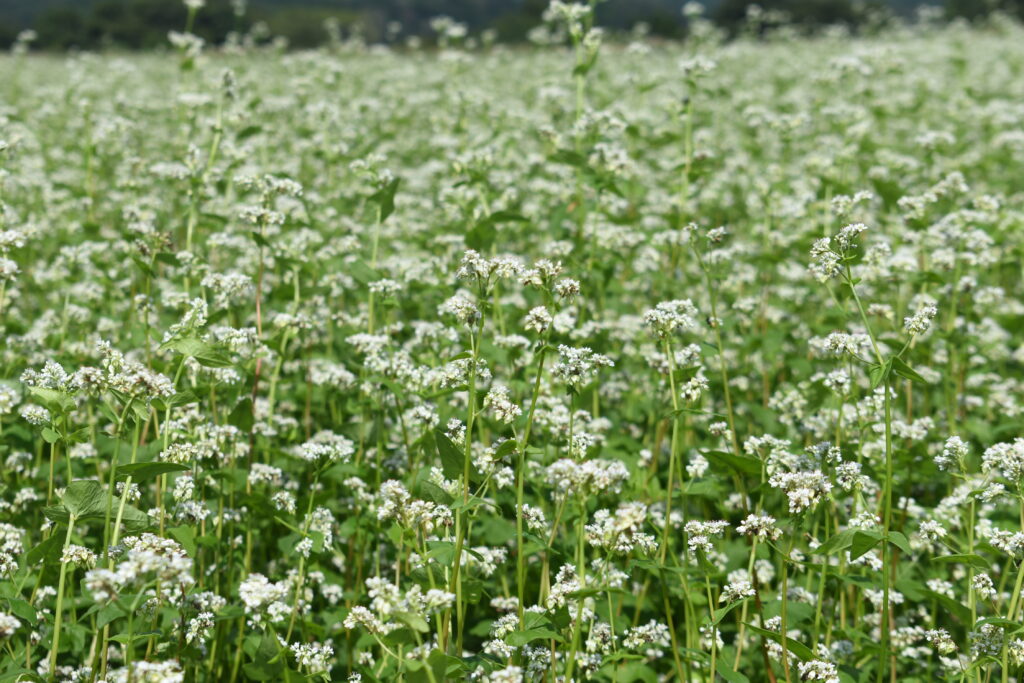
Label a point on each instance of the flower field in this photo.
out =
(634, 361)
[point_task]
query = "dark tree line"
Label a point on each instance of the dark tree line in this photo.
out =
(142, 24)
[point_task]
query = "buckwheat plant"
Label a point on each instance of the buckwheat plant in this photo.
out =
(697, 361)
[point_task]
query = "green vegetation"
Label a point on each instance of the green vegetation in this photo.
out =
(143, 24)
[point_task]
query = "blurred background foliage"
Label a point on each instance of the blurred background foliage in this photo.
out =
(144, 24)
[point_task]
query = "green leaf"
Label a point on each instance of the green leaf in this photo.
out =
(141, 471)
(50, 436)
(186, 536)
(520, 638)
(835, 543)
(570, 157)
(413, 621)
(385, 198)
(1008, 624)
(900, 541)
(435, 493)
(452, 459)
(23, 610)
(21, 675)
(259, 239)
(47, 551)
(745, 464)
(796, 647)
(722, 612)
(133, 637)
(879, 373)
(863, 541)
(905, 371)
(241, 415)
(362, 272)
(93, 509)
(84, 497)
(56, 402)
(206, 354)
(506, 448)
(180, 399)
(729, 675)
(248, 132)
(976, 561)
(109, 613)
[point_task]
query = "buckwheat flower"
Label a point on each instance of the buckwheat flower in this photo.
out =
(1010, 542)
(621, 531)
(455, 430)
(265, 474)
(700, 533)
(761, 526)
(838, 381)
(167, 671)
(461, 308)
(8, 564)
(718, 428)
(313, 657)
(368, 344)
(394, 497)
(199, 627)
(826, 263)
(692, 390)
(566, 581)
(921, 320)
(385, 288)
(510, 674)
(8, 398)
(184, 488)
(304, 547)
(849, 234)
(567, 476)
(260, 596)
(841, 343)
(804, 489)
(941, 641)
(534, 518)
(8, 625)
(848, 476)
(932, 530)
(567, 288)
(1007, 458)
(954, 452)
(983, 586)
(79, 556)
(497, 399)
(326, 446)
(102, 583)
(736, 590)
(671, 317)
(35, 415)
(8, 269)
(819, 670)
(696, 67)
(986, 641)
(1016, 651)
(538, 319)
(651, 633)
(697, 466)
(130, 493)
(577, 366)
(359, 616)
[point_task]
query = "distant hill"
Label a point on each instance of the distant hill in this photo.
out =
(144, 23)
(22, 13)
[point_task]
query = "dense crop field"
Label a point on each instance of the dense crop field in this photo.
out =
(633, 362)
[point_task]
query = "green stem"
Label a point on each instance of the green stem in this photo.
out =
(60, 599)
